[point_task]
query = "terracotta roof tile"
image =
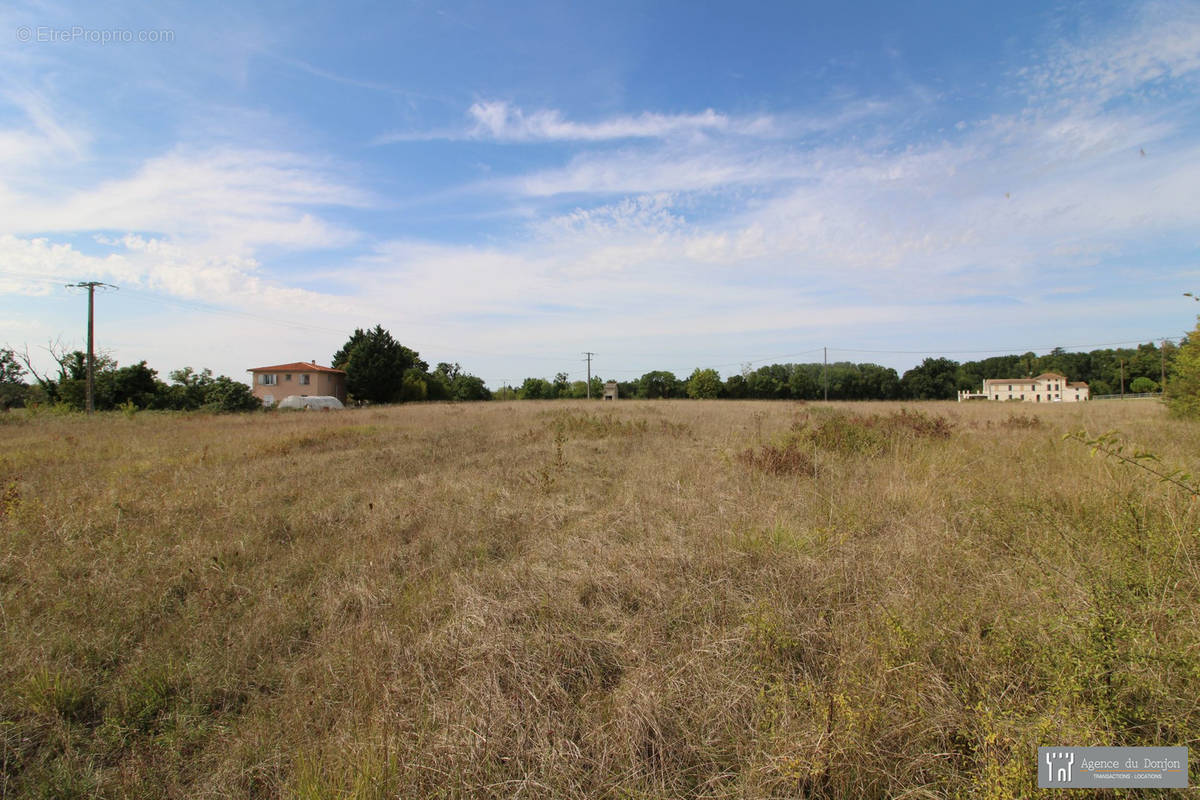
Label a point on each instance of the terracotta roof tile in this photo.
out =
(298, 366)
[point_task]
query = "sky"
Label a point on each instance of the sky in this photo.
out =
(667, 185)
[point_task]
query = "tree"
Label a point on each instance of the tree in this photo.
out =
(414, 388)
(657, 384)
(135, 384)
(704, 384)
(376, 366)
(1183, 397)
(470, 388)
(12, 387)
(225, 394)
(1141, 385)
(933, 379)
(535, 389)
(451, 382)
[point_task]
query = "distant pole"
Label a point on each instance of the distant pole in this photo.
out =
(1122, 378)
(1162, 363)
(91, 339)
(825, 372)
(589, 381)
(91, 362)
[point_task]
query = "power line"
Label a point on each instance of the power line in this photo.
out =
(1072, 347)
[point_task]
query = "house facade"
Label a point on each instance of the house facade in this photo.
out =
(1049, 387)
(303, 378)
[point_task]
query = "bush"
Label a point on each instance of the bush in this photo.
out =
(225, 394)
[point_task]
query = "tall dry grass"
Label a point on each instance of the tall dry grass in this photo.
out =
(641, 599)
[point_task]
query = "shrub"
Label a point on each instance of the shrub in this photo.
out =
(788, 458)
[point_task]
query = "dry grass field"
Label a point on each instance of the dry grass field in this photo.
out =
(570, 600)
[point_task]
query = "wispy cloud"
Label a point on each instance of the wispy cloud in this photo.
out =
(244, 198)
(1160, 42)
(503, 122)
(42, 136)
(506, 123)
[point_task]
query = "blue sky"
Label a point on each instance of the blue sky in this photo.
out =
(669, 185)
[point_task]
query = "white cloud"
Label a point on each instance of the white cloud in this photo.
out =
(43, 135)
(1161, 42)
(502, 121)
(238, 199)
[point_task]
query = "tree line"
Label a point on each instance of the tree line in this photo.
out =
(136, 386)
(1105, 371)
(379, 369)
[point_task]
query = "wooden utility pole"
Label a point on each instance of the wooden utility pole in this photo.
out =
(1122, 379)
(825, 371)
(91, 339)
(1162, 363)
(589, 379)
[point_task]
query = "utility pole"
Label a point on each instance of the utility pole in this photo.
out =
(1122, 379)
(1162, 363)
(589, 381)
(825, 372)
(91, 351)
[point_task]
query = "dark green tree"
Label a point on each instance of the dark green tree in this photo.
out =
(536, 389)
(224, 394)
(137, 384)
(376, 366)
(659, 383)
(735, 387)
(933, 379)
(12, 384)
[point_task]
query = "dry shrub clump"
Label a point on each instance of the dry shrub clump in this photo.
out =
(866, 434)
(1021, 421)
(788, 458)
(563, 600)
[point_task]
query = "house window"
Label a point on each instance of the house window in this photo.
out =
(287, 377)
(304, 380)
(267, 380)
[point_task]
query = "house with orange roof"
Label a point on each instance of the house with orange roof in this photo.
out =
(1049, 387)
(303, 378)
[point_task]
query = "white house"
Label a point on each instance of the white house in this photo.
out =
(1049, 387)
